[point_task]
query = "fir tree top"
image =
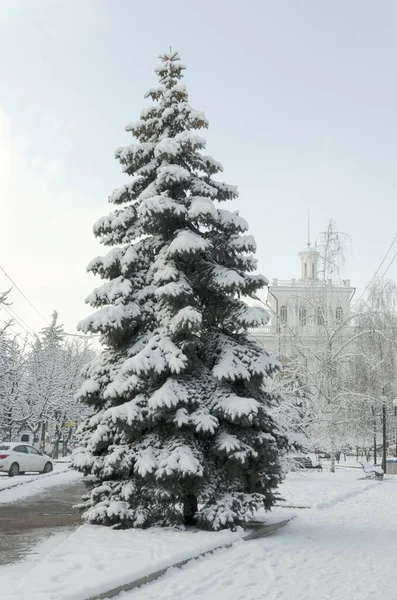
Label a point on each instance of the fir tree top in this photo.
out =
(53, 333)
(171, 199)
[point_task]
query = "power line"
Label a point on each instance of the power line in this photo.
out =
(16, 318)
(9, 309)
(7, 327)
(33, 333)
(81, 335)
(390, 264)
(378, 269)
(26, 298)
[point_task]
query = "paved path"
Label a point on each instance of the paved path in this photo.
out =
(25, 523)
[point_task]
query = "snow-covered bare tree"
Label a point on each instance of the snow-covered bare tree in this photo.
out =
(293, 412)
(331, 245)
(54, 366)
(181, 424)
(14, 409)
(45, 377)
(65, 410)
(349, 353)
(376, 376)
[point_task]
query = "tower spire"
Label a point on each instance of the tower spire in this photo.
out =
(308, 227)
(309, 257)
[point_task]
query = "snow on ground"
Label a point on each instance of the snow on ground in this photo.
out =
(304, 489)
(11, 576)
(94, 559)
(16, 488)
(328, 552)
(346, 550)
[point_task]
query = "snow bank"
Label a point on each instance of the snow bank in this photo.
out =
(94, 559)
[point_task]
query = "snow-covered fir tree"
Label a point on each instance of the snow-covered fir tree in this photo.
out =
(180, 424)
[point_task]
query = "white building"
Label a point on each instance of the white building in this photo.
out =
(302, 308)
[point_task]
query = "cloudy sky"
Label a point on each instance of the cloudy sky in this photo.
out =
(301, 97)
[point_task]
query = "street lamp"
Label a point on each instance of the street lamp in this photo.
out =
(394, 412)
(383, 413)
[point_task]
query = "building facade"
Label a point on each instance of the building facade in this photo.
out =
(302, 309)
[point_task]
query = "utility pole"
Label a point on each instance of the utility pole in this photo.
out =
(382, 414)
(374, 435)
(384, 436)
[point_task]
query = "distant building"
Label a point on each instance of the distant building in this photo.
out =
(301, 309)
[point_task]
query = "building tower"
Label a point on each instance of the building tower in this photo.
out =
(304, 307)
(309, 263)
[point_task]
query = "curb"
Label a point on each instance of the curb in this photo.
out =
(291, 506)
(259, 532)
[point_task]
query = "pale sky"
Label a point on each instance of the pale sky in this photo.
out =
(301, 97)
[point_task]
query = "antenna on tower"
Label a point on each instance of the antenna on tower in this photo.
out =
(308, 228)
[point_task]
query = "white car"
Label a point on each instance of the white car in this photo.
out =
(17, 458)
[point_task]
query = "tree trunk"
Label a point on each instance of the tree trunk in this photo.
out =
(57, 439)
(66, 442)
(55, 450)
(190, 509)
(332, 466)
(43, 430)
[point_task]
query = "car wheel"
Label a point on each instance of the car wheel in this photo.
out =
(14, 470)
(47, 468)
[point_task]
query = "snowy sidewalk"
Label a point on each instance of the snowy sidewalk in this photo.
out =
(343, 551)
(95, 559)
(308, 489)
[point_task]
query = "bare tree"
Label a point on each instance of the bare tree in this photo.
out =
(339, 356)
(332, 246)
(293, 411)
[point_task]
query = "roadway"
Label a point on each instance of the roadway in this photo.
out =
(27, 522)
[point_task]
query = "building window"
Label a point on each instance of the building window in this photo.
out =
(283, 314)
(313, 270)
(305, 271)
(339, 314)
(302, 316)
(320, 316)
